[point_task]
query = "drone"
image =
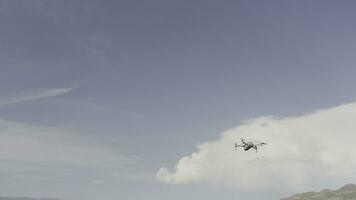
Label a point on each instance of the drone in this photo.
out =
(248, 145)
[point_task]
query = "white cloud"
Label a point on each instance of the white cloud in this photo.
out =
(301, 151)
(32, 95)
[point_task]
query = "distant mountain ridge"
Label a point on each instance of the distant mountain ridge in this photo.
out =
(26, 198)
(347, 192)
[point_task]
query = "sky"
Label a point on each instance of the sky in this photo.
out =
(145, 99)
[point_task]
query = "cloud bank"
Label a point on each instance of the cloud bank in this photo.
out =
(302, 150)
(32, 95)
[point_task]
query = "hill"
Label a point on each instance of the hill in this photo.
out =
(347, 192)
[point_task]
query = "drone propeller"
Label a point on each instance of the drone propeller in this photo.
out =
(261, 143)
(237, 145)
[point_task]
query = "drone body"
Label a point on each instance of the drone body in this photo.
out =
(248, 145)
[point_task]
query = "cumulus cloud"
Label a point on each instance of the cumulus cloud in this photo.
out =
(32, 95)
(302, 150)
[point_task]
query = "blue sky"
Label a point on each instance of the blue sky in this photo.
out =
(141, 83)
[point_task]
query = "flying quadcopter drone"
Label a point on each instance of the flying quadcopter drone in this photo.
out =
(248, 145)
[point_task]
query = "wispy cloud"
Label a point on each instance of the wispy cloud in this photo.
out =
(26, 149)
(32, 95)
(302, 151)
